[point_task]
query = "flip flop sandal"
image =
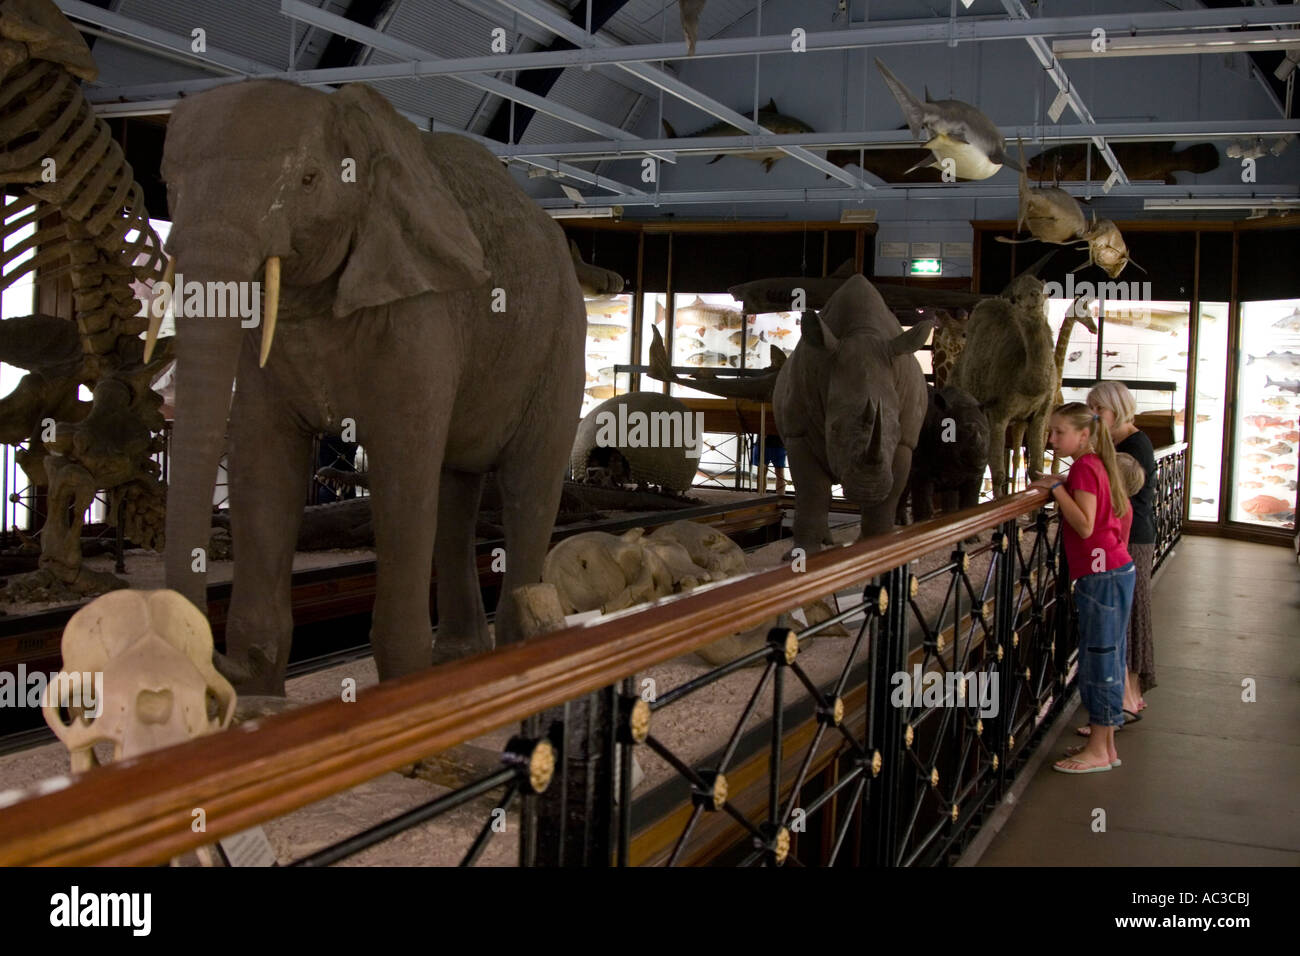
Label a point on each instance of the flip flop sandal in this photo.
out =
(1078, 749)
(1130, 718)
(1102, 768)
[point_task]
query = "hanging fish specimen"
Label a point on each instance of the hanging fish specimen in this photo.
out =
(957, 131)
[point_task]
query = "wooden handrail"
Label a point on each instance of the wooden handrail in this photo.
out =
(140, 811)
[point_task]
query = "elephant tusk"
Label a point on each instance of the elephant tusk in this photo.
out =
(155, 316)
(270, 306)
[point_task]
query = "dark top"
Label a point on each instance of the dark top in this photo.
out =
(1144, 521)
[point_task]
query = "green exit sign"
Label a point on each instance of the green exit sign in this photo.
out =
(927, 267)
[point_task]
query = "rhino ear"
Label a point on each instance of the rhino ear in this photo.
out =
(913, 339)
(816, 334)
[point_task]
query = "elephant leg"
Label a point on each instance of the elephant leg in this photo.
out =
(968, 493)
(900, 513)
(462, 622)
(812, 497)
(531, 474)
(269, 470)
(879, 518)
(405, 472)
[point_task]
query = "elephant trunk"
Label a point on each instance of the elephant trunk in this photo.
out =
(207, 357)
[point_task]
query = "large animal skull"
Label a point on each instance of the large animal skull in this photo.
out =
(154, 649)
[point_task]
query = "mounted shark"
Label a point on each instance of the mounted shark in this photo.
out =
(769, 117)
(958, 132)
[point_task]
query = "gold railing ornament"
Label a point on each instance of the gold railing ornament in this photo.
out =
(714, 793)
(532, 758)
(782, 848)
(639, 721)
(1020, 535)
(1011, 741)
(1015, 638)
(979, 727)
(934, 777)
(837, 711)
(999, 652)
(913, 586)
(1026, 674)
(784, 643)
(907, 735)
(876, 763)
(939, 643)
(955, 813)
(995, 761)
(986, 611)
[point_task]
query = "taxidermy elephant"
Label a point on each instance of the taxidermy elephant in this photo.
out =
(849, 403)
(951, 455)
(423, 296)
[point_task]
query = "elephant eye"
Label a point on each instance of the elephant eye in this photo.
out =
(308, 178)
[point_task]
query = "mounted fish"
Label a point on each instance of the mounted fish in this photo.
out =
(593, 279)
(769, 117)
(1106, 248)
(690, 11)
(892, 165)
(958, 132)
(1050, 214)
(1141, 161)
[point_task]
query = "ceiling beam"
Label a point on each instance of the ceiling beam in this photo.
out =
(893, 138)
(426, 66)
(305, 12)
(544, 16)
(162, 39)
(1043, 53)
(1265, 194)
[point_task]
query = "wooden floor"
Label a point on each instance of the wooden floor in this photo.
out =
(1207, 780)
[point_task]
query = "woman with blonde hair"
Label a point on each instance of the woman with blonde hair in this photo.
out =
(1115, 405)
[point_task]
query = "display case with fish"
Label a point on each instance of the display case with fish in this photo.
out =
(609, 343)
(1209, 403)
(1267, 452)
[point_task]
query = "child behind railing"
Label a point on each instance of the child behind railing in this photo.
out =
(1092, 503)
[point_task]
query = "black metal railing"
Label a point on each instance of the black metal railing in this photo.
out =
(809, 770)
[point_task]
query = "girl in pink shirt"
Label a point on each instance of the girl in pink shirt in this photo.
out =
(1092, 502)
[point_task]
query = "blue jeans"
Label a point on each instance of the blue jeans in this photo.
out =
(1103, 601)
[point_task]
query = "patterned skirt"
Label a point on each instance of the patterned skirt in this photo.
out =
(1141, 637)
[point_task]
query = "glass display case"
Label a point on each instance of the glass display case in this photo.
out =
(1267, 411)
(1210, 408)
(609, 343)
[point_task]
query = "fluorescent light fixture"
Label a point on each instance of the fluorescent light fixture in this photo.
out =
(1173, 44)
(858, 215)
(1245, 202)
(593, 212)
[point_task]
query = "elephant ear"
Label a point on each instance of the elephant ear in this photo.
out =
(413, 236)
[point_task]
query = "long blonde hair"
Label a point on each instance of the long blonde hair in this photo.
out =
(1080, 416)
(1116, 397)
